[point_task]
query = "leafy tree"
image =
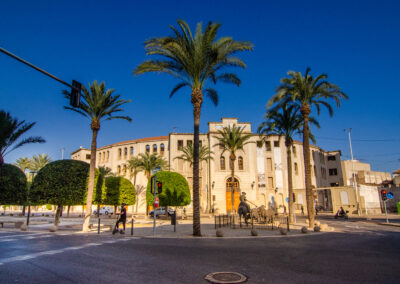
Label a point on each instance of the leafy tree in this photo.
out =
(307, 92)
(285, 121)
(196, 61)
(10, 131)
(105, 171)
(63, 182)
(13, 185)
(97, 104)
(38, 162)
(175, 190)
(117, 190)
(232, 139)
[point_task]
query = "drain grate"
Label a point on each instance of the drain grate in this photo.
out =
(226, 277)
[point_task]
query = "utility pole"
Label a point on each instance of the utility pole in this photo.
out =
(353, 173)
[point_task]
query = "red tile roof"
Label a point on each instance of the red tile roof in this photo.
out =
(136, 140)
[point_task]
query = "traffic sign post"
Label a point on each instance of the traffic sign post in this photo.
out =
(153, 187)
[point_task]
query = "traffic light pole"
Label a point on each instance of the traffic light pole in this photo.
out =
(154, 207)
(384, 205)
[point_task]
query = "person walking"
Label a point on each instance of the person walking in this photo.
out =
(122, 219)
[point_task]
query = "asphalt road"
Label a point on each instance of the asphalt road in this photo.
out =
(360, 252)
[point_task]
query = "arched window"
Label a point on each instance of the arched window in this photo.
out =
(124, 169)
(108, 156)
(222, 163)
(99, 157)
(125, 152)
(313, 154)
(154, 148)
(315, 171)
(296, 169)
(240, 161)
(344, 197)
(294, 151)
(118, 169)
(231, 164)
(119, 153)
(148, 148)
(162, 149)
(131, 151)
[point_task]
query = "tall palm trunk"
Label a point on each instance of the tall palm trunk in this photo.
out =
(89, 199)
(232, 158)
(290, 180)
(147, 206)
(197, 100)
(305, 111)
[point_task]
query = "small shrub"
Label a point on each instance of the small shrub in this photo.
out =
(317, 229)
(254, 233)
(219, 233)
(283, 231)
(304, 230)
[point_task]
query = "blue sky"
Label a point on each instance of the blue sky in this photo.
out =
(356, 43)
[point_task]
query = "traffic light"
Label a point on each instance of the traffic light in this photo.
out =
(294, 197)
(383, 194)
(75, 99)
(159, 187)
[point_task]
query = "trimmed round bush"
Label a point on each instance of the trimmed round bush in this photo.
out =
(283, 231)
(317, 229)
(24, 227)
(63, 182)
(175, 190)
(254, 233)
(53, 229)
(219, 233)
(304, 230)
(117, 190)
(13, 185)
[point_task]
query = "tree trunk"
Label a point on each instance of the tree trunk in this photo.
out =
(115, 211)
(290, 180)
(57, 217)
(147, 206)
(232, 165)
(69, 208)
(197, 100)
(89, 199)
(23, 210)
(305, 111)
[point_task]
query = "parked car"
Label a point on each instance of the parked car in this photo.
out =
(161, 211)
(105, 210)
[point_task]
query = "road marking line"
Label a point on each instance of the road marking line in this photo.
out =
(7, 240)
(21, 235)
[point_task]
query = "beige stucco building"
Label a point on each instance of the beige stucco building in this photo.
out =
(260, 170)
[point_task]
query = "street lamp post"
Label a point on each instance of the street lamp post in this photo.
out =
(353, 173)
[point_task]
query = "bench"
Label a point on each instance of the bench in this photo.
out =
(17, 224)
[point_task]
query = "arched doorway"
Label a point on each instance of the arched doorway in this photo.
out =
(236, 196)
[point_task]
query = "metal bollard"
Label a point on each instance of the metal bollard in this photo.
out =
(215, 222)
(98, 226)
(272, 222)
(132, 221)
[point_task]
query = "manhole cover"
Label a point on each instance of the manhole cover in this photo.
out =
(225, 277)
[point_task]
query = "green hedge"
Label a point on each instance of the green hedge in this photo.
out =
(117, 190)
(175, 190)
(63, 182)
(13, 185)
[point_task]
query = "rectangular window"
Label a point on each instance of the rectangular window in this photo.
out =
(276, 143)
(323, 173)
(180, 144)
(269, 164)
(87, 156)
(334, 184)
(331, 158)
(333, 172)
(268, 145)
(270, 182)
(200, 143)
(294, 152)
(189, 143)
(296, 169)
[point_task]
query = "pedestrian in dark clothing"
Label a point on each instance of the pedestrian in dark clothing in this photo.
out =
(302, 210)
(122, 219)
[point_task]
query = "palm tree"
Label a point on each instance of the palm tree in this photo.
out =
(139, 190)
(23, 163)
(285, 121)
(135, 167)
(38, 162)
(306, 92)
(10, 131)
(188, 154)
(196, 61)
(232, 139)
(204, 155)
(98, 105)
(105, 171)
(148, 162)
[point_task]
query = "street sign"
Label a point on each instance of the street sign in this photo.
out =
(156, 170)
(390, 195)
(287, 199)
